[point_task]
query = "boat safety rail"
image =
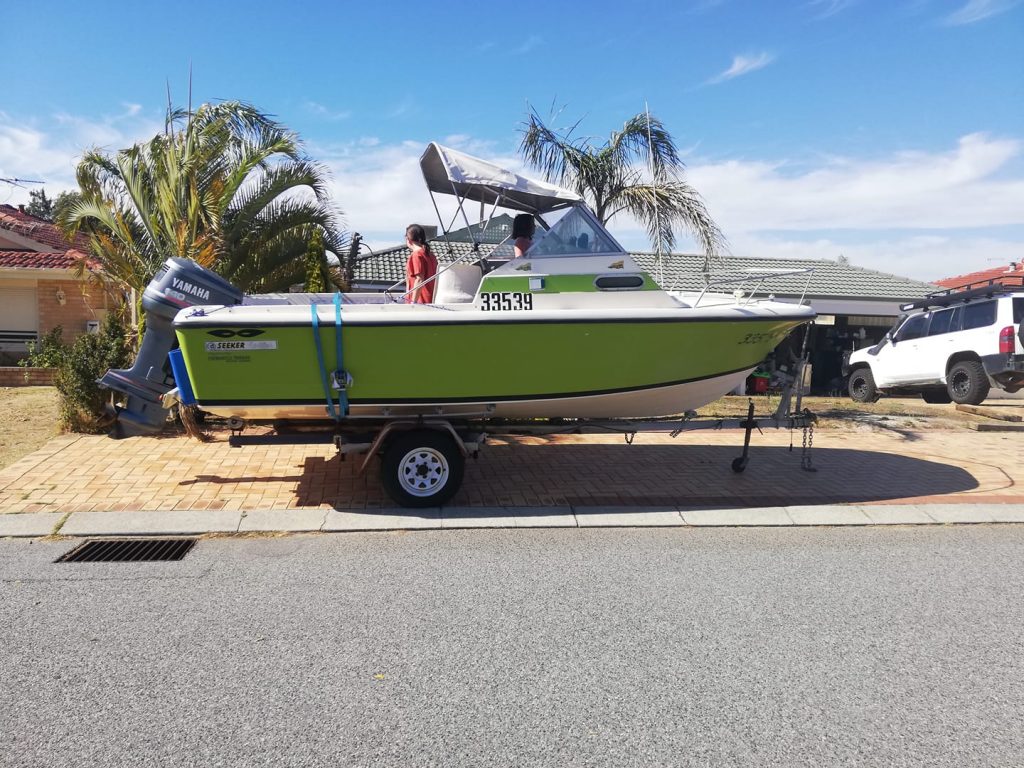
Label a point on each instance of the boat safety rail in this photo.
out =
(401, 297)
(759, 275)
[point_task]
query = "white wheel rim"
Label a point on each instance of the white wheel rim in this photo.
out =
(423, 472)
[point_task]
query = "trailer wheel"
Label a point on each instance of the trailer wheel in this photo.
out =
(739, 464)
(421, 468)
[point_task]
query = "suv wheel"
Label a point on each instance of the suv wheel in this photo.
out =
(967, 382)
(862, 386)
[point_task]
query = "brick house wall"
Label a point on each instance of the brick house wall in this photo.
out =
(82, 302)
(26, 377)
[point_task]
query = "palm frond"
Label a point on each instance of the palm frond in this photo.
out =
(223, 184)
(637, 170)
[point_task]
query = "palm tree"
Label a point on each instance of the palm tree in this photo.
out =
(637, 170)
(224, 185)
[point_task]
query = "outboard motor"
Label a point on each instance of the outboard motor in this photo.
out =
(179, 284)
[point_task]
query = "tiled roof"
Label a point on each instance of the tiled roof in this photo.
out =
(499, 228)
(41, 231)
(830, 279)
(1012, 274)
(39, 260)
(388, 265)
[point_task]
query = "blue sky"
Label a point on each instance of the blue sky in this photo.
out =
(890, 131)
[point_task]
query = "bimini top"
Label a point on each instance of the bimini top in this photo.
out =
(450, 172)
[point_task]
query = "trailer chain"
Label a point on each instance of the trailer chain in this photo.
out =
(629, 437)
(682, 424)
(805, 453)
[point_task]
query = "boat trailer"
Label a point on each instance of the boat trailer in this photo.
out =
(423, 456)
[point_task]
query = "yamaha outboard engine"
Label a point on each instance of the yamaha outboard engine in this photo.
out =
(181, 283)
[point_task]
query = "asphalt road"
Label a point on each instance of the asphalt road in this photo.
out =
(881, 646)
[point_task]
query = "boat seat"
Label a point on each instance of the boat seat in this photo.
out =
(458, 284)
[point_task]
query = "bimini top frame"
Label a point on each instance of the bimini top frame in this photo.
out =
(447, 171)
(450, 172)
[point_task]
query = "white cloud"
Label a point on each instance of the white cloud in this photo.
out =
(327, 113)
(925, 215)
(380, 189)
(826, 8)
(920, 214)
(528, 45)
(978, 10)
(743, 64)
(959, 188)
(49, 150)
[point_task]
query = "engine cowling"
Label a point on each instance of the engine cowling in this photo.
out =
(180, 284)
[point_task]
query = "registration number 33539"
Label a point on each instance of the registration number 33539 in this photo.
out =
(498, 302)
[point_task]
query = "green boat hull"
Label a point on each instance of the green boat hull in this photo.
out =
(515, 368)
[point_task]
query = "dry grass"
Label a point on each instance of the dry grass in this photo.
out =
(28, 419)
(842, 412)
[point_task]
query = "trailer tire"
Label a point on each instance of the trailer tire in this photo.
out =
(422, 468)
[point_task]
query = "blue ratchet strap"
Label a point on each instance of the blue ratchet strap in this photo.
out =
(323, 366)
(340, 377)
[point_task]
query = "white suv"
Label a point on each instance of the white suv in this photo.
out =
(956, 348)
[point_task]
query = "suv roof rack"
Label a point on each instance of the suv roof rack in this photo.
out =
(986, 289)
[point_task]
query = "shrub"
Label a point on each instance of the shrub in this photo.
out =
(79, 365)
(48, 353)
(84, 361)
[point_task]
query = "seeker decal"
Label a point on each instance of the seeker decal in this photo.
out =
(234, 346)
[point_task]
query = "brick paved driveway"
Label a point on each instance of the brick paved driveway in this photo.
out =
(81, 473)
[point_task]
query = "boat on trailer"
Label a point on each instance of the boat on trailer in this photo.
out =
(573, 329)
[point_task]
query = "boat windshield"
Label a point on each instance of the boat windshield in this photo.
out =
(576, 233)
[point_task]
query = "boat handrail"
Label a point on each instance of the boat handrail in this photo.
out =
(760, 275)
(432, 278)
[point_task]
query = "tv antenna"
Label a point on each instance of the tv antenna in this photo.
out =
(16, 182)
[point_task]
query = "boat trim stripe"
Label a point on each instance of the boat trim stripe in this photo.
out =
(210, 323)
(472, 400)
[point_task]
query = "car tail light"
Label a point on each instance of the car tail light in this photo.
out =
(1006, 340)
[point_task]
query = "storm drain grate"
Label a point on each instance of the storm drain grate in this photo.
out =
(128, 551)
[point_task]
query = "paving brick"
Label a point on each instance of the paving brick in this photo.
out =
(83, 473)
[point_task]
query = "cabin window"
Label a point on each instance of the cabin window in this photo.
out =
(573, 234)
(619, 282)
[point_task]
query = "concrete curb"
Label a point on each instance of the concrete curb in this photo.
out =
(189, 523)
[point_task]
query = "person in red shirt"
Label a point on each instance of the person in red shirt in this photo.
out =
(421, 266)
